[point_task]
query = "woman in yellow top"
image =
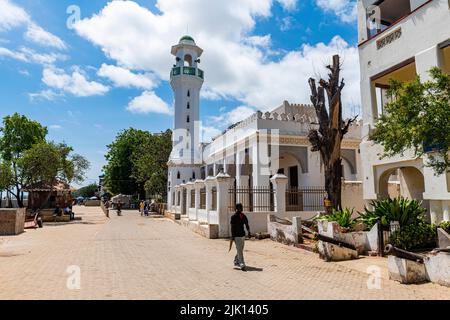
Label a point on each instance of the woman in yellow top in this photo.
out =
(141, 207)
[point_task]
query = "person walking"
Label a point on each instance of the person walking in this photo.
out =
(142, 207)
(119, 208)
(238, 221)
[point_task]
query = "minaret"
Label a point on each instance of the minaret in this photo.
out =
(186, 80)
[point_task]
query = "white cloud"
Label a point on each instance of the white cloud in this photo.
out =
(148, 102)
(12, 16)
(29, 55)
(122, 77)
(5, 52)
(238, 114)
(288, 4)
(24, 72)
(346, 10)
(44, 94)
(55, 127)
(259, 41)
(38, 35)
(234, 68)
(208, 133)
(286, 23)
(75, 83)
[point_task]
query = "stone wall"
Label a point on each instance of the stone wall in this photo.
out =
(352, 195)
(12, 221)
(284, 231)
(92, 203)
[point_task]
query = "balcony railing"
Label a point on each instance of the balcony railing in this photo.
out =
(188, 71)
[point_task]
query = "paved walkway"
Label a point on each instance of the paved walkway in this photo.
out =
(132, 257)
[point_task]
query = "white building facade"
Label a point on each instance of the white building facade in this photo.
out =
(264, 161)
(399, 39)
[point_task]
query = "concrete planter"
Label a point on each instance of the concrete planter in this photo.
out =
(406, 271)
(364, 241)
(443, 238)
(286, 233)
(438, 268)
(12, 221)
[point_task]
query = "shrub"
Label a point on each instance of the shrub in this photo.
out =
(342, 217)
(415, 236)
(445, 225)
(405, 211)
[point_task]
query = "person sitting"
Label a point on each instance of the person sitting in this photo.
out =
(57, 212)
(68, 211)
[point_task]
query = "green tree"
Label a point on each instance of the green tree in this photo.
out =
(417, 118)
(6, 179)
(18, 135)
(151, 163)
(6, 176)
(87, 191)
(47, 163)
(119, 170)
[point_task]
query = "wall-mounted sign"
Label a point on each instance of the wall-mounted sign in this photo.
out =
(388, 39)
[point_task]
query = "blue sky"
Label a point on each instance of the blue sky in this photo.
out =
(109, 70)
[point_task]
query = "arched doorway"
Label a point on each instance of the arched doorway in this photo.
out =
(291, 167)
(409, 178)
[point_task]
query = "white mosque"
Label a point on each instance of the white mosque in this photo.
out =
(250, 151)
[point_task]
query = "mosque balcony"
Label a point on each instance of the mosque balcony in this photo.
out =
(187, 71)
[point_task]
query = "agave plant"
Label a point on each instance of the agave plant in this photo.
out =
(342, 217)
(405, 211)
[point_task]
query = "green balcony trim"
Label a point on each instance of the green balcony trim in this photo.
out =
(189, 71)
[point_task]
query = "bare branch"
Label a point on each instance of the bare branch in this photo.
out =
(348, 124)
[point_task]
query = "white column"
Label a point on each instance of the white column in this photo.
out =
(189, 187)
(223, 185)
(198, 184)
(239, 162)
(280, 182)
(446, 210)
(435, 212)
(260, 177)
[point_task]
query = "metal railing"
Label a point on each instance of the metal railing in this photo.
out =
(203, 198)
(189, 71)
(305, 199)
(294, 199)
(192, 198)
(253, 199)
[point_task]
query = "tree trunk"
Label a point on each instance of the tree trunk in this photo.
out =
(18, 197)
(327, 138)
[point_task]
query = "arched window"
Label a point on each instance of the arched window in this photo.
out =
(193, 175)
(188, 105)
(178, 175)
(188, 60)
(189, 93)
(188, 119)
